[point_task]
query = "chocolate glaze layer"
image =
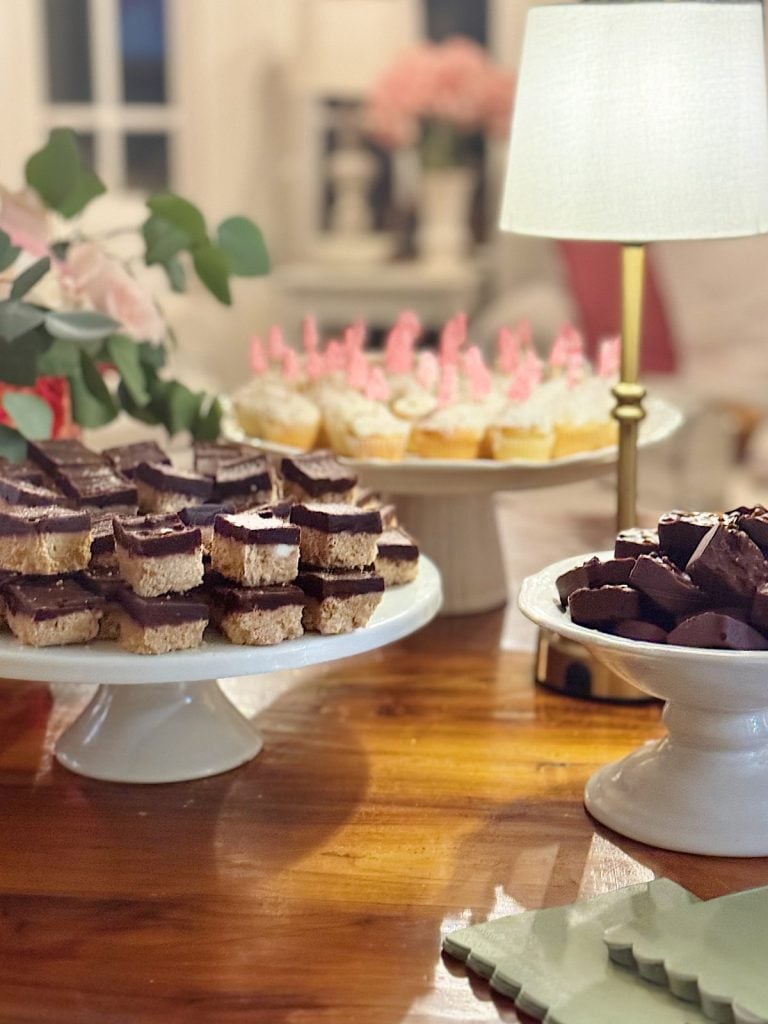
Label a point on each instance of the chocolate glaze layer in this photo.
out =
(337, 518)
(681, 532)
(54, 455)
(209, 455)
(398, 546)
(125, 458)
(157, 536)
(327, 584)
(105, 584)
(247, 474)
(231, 599)
(256, 528)
(170, 480)
(96, 485)
(102, 537)
(21, 471)
(318, 473)
(713, 630)
(41, 599)
(22, 492)
(169, 610)
(19, 521)
(202, 515)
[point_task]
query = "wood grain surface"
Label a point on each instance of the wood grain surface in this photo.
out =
(399, 795)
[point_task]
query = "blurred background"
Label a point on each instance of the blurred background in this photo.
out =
(269, 108)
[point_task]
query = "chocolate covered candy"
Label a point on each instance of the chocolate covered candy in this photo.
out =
(721, 632)
(681, 532)
(633, 542)
(728, 565)
(667, 586)
(603, 605)
(639, 629)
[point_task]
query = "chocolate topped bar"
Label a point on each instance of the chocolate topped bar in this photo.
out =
(681, 532)
(209, 455)
(21, 471)
(256, 528)
(157, 536)
(168, 610)
(19, 492)
(397, 545)
(226, 599)
(49, 519)
(102, 537)
(318, 473)
(635, 541)
(96, 485)
(125, 458)
(43, 599)
(104, 583)
(320, 585)
(241, 477)
(202, 515)
(56, 454)
(337, 518)
(170, 480)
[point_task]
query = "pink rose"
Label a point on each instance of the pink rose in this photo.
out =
(111, 289)
(24, 218)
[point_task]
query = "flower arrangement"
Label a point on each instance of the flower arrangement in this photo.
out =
(80, 337)
(437, 96)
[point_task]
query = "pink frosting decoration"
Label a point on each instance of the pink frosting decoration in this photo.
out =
(291, 364)
(532, 367)
(410, 322)
(335, 356)
(480, 380)
(310, 336)
(508, 345)
(357, 370)
(448, 389)
(524, 332)
(354, 337)
(398, 351)
(427, 370)
(377, 388)
(258, 357)
(609, 357)
(314, 365)
(452, 337)
(521, 387)
(575, 369)
(276, 343)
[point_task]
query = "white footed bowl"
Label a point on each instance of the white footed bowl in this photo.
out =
(703, 788)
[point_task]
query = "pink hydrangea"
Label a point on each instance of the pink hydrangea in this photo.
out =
(25, 220)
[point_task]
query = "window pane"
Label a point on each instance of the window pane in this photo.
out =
(146, 162)
(457, 18)
(142, 43)
(87, 142)
(68, 51)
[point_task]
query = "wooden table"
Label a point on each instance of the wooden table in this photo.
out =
(399, 795)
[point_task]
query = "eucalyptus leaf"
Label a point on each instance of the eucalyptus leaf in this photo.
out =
(212, 267)
(145, 414)
(18, 318)
(181, 213)
(80, 325)
(12, 445)
(26, 281)
(57, 174)
(61, 359)
(244, 246)
(124, 353)
(152, 355)
(176, 274)
(182, 407)
(8, 251)
(32, 415)
(208, 425)
(20, 358)
(163, 240)
(92, 404)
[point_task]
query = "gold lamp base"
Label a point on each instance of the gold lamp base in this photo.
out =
(569, 668)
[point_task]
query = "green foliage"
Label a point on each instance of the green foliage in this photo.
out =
(107, 370)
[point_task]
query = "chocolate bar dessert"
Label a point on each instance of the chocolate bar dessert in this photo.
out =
(158, 554)
(44, 541)
(255, 549)
(105, 584)
(102, 543)
(317, 476)
(244, 482)
(158, 625)
(46, 613)
(210, 455)
(125, 458)
(337, 536)
(16, 493)
(338, 602)
(98, 487)
(257, 616)
(203, 516)
(21, 471)
(164, 488)
(397, 557)
(58, 454)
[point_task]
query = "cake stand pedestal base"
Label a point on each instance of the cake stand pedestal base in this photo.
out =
(460, 534)
(567, 667)
(701, 789)
(161, 732)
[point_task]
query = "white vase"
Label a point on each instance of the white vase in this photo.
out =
(444, 229)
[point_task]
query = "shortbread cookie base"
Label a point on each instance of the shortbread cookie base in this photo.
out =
(263, 627)
(339, 614)
(254, 565)
(159, 639)
(163, 574)
(45, 554)
(71, 628)
(337, 550)
(151, 500)
(397, 571)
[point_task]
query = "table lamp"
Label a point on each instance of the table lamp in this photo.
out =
(636, 122)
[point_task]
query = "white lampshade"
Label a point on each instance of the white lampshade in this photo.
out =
(348, 43)
(640, 121)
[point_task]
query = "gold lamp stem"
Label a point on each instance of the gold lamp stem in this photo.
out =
(628, 392)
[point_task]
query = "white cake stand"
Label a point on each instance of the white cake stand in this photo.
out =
(448, 503)
(703, 788)
(164, 718)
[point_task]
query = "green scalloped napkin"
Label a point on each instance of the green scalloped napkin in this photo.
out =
(555, 965)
